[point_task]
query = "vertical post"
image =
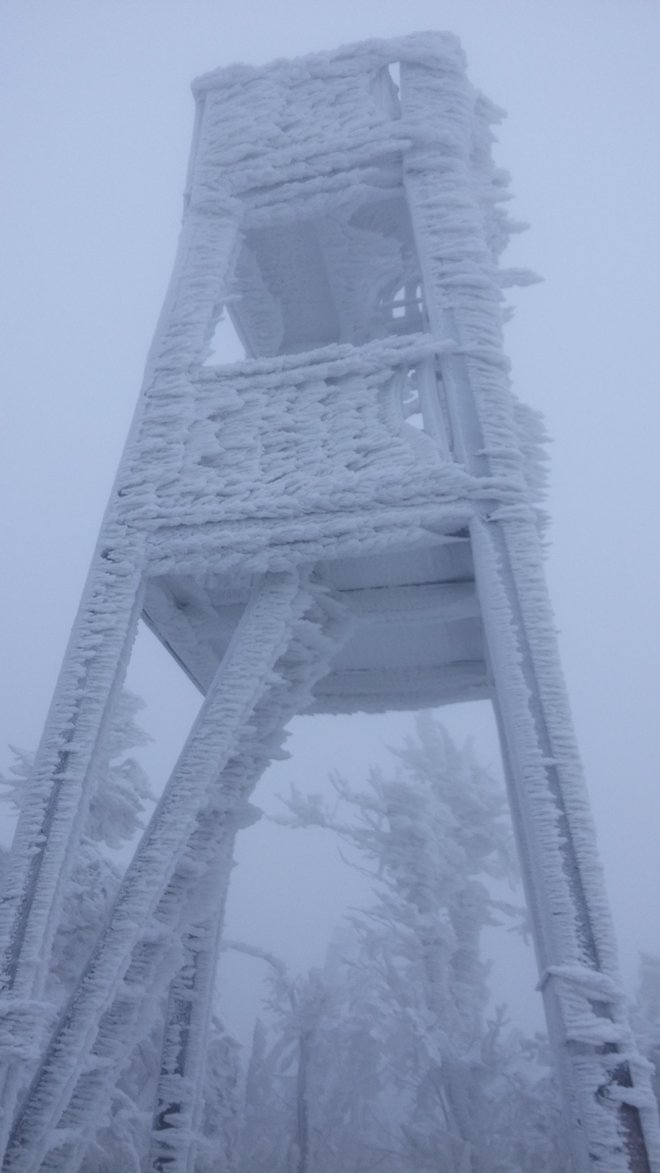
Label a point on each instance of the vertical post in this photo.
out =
(57, 795)
(176, 1136)
(452, 190)
(96, 1028)
(180, 1094)
(607, 1100)
(56, 802)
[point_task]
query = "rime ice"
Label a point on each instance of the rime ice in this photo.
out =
(347, 520)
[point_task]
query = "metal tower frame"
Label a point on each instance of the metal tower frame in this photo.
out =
(345, 521)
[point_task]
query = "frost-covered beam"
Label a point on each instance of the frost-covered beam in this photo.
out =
(609, 1107)
(449, 602)
(176, 1134)
(55, 804)
(608, 1102)
(177, 1139)
(376, 691)
(196, 888)
(246, 671)
(183, 639)
(57, 794)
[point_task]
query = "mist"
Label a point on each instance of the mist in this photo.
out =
(96, 129)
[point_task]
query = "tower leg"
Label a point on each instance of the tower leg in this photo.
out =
(55, 805)
(180, 1096)
(180, 1099)
(610, 1111)
(608, 1101)
(95, 1034)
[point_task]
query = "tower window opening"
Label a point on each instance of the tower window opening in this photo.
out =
(404, 308)
(410, 400)
(422, 403)
(225, 344)
(386, 88)
(394, 71)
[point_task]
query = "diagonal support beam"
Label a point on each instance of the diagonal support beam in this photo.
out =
(176, 1134)
(56, 802)
(177, 1145)
(244, 675)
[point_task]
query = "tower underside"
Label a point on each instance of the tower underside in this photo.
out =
(415, 639)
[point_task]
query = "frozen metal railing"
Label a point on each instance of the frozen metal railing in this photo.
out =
(323, 431)
(424, 405)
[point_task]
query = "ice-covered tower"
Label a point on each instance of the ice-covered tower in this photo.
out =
(345, 521)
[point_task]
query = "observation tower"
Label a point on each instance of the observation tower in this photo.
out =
(347, 521)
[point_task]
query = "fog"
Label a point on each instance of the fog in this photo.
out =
(96, 124)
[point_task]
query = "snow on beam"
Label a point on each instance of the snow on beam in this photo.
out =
(446, 602)
(240, 680)
(375, 691)
(284, 643)
(453, 194)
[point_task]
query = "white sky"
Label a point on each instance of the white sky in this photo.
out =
(96, 120)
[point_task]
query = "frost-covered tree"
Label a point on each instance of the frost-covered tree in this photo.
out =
(435, 836)
(221, 1119)
(314, 1078)
(386, 1059)
(267, 1118)
(275, 1134)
